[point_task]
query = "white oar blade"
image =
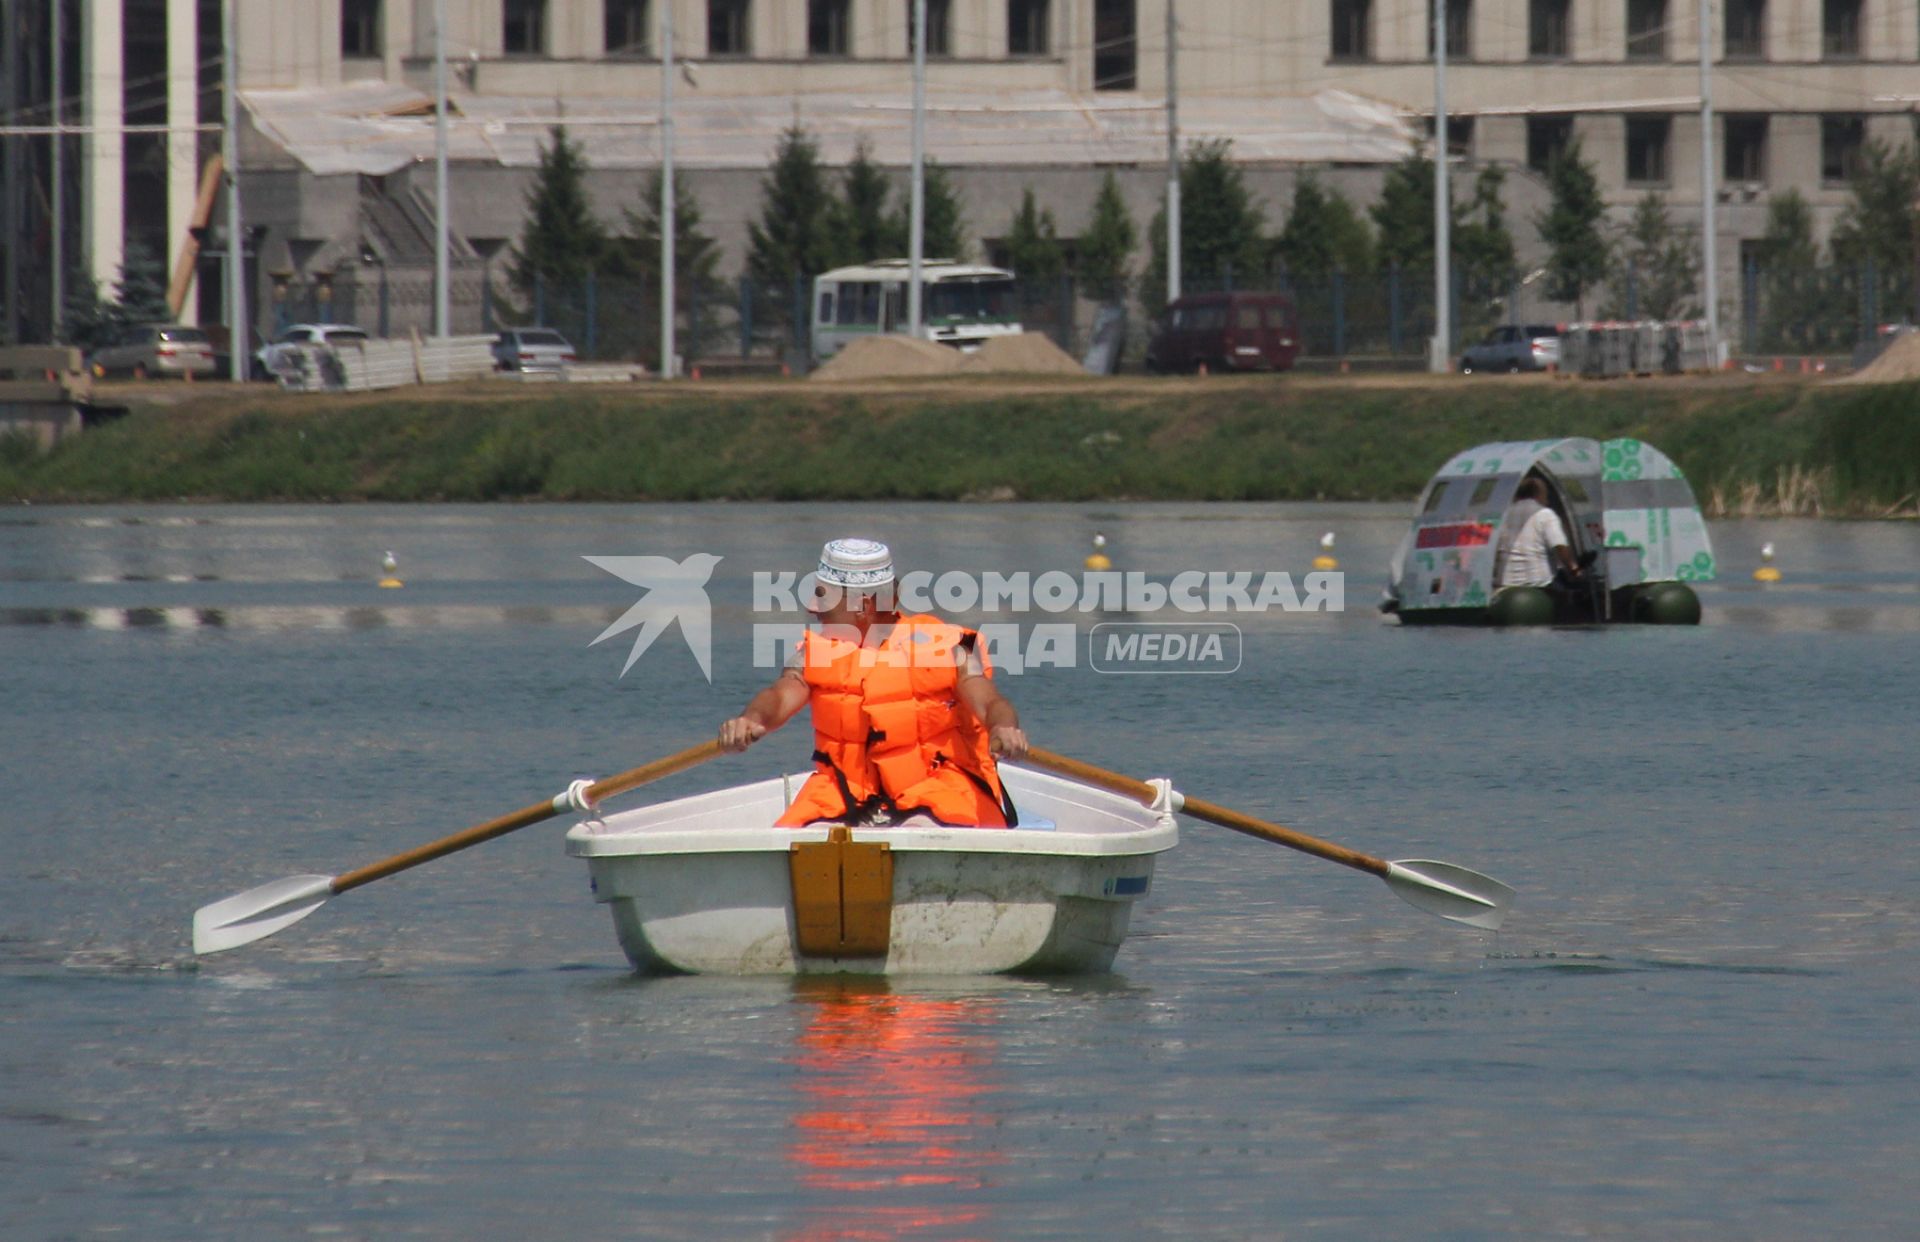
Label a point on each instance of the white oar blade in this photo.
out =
(246, 917)
(1451, 892)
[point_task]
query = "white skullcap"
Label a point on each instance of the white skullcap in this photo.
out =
(855, 564)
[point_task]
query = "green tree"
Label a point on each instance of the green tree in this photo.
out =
(1324, 233)
(943, 222)
(1403, 216)
(1033, 245)
(793, 238)
(1577, 256)
(562, 239)
(1221, 227)
(860, 225)
(1803, 306)
(139, 296)
(1483, 254)
(1876, 227)
(696, 280)
(1656, 268)
(1106, 247)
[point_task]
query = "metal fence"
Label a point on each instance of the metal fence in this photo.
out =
(1820, 310)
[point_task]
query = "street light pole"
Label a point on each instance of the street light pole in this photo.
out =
(1173, 158)
(230, 160)
(1709, 247)
(669, 368)
(917, 206)
(441, 310)
(1442, 345)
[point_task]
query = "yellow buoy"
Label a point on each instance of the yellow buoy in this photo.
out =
(392, 569)
(1325, 560)
(1098, 560)
(1766, 572)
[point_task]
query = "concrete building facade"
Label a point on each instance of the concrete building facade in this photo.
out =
(1799, 86)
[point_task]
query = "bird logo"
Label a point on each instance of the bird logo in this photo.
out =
(670, 591)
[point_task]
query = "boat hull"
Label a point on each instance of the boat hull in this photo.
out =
(703, 886)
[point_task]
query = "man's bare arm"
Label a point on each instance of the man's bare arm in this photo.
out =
(765, 712)
(1005, 738)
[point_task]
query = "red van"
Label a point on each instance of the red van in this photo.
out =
(1226, 332)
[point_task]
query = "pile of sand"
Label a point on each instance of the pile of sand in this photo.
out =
(1026, 353)
(1898, 361)
(885, 357)
(906, 357)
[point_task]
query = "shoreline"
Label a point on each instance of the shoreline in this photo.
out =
(1750, 445)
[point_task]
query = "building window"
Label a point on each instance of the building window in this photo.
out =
(1115, 46)
(1646, 29)
(1352, 30)
(1840, 29)
(1843, 140)
(1745, 139)
(1548, 22)
(1746, 29)
(523, 27)
(939, 28)
(727, 27)
(1459, 135)
(628, 32)
(1647, 140)
(1547, 136)
(1027, 26)
(1459, 29)
(359, 28)
(829, 26)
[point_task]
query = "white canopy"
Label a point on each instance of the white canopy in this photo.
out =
(378, 127)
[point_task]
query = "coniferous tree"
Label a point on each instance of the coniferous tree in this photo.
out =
(1221, 227)
(1876, 227)
(696, 261)
(792, 240)
(1577, 256)
(1656, 268)
(861, 225)
(1033, 246)
(1106, 246)
(943, 224)
(562, 240)
(1483, 253)
(1324, 233)
(1403, 216)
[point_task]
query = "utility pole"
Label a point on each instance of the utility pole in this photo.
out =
(58, 239)
(237, 335)
(917, 209)
(669, 367)
(1439, 354)
(1173, 157)
(1709, 187)
(442, 312)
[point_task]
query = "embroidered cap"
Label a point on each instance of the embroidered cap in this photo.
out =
(856, 564)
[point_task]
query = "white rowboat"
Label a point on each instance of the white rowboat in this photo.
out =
(706, 884)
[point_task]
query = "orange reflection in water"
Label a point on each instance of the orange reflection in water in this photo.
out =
(890, 1121)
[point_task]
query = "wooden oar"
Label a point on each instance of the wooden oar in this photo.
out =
(260, 912)
(1436, 887)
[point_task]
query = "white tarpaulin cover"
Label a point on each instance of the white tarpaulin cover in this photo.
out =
(378, 127)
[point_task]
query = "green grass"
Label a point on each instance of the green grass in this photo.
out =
(1856, 447)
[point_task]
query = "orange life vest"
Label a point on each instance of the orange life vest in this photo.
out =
(890, 734)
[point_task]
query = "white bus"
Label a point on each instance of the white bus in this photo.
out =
(961, 304)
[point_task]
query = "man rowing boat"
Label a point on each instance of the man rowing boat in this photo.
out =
(907, 722)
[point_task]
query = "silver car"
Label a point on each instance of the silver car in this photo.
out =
(532, 349)
(1514, 347)
(153, 350)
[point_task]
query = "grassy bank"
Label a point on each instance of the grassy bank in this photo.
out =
(1757, 445)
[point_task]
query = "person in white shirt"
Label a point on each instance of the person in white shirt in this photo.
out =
(1532, 538)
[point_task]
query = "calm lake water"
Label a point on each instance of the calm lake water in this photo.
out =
(1698, 1023)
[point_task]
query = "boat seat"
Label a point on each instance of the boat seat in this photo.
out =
(1037, 825)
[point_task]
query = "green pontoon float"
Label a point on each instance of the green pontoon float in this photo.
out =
(1630, 518)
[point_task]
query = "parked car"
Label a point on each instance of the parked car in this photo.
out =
(1226, 332)
(1514, 347)
(277, 356)
(152, 350)
(532, 349)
